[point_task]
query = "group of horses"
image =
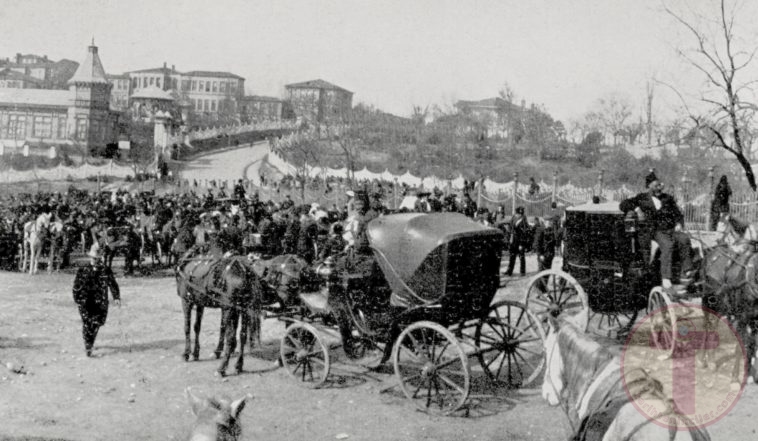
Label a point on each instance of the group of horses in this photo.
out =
(51, 240)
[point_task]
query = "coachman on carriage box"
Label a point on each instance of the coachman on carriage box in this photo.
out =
(667, 222)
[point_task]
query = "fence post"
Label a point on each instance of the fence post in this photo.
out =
(513, 194)
(600, 183)
(555, 185)
(479, 193)
(394, 193)
(708, 213)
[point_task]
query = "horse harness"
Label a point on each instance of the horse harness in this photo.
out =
(607, 397)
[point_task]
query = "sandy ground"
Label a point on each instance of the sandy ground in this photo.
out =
(134, 388)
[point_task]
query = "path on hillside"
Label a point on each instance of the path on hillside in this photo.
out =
(230, 165)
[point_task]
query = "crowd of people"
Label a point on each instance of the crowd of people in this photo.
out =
(235, 222)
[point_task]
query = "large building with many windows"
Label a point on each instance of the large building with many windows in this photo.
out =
(319, 101)
(210, 93)
(79, 115)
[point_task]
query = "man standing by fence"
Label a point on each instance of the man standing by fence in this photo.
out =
(517, 245)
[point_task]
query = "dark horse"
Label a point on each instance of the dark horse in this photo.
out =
(125, 241)
(227, 283)
(730, 272)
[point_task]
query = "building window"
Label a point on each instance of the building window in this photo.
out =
(17, 126)
(62, 128)
(43, 126)
(144, 81)
(233, 86)
(194, 85)
(207, 86)
(81, 129)
(213, 105)
(174, 83)
(222, 87)
(215, 86)
(152, 81)
(158, 82)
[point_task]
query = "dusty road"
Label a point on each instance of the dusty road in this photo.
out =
(133, 389)
(230, 164)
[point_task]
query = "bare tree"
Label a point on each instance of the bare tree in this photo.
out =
(649, 94)
(614, 111)
(718, 55)
(304, 152)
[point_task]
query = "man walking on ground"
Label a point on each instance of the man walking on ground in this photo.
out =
(91, 286)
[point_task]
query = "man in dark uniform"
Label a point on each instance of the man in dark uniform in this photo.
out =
(545, 241)
(666, 222)
(517, 245)
(90, 291)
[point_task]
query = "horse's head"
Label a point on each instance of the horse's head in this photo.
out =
(552, 385)
(217, 415)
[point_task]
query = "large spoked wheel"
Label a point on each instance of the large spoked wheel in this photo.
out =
(611, 324)
(432, 368)
(510, 344)
(305, 355)
(554, 292)
(662, 320)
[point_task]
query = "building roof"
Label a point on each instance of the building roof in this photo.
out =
(316, 84)
(122, 76)
(492, 103)
(152, 93)
(11, 74)
(91, 70)
(162, 70)
(36, 97)
(208, 73)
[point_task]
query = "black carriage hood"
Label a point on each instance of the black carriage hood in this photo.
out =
(404, 243)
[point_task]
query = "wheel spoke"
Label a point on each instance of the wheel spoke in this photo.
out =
(451, 383)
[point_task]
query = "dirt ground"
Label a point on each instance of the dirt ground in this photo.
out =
(133, 388)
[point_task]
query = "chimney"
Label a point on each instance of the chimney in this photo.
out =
(18, 58)
(164, 64)
(173, 68)
(44, 57)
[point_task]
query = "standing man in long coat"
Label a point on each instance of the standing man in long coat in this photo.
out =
(91, 286)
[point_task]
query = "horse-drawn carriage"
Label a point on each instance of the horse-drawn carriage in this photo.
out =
(611, 272)
(425, 302)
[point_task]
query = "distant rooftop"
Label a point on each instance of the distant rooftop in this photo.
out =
(316, 84)
(208, 73)
(91, 70)
(36, 97)
(11, 74)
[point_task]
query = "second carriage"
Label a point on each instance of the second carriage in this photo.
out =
(425, 303)
(611, 273)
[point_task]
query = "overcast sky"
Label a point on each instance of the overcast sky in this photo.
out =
(564, 54)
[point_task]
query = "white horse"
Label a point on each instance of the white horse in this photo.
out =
(32, 242)
(584, 377)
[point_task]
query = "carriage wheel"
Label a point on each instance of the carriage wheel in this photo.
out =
(554, 292)
(432, 368)
(305, 355)
(663, 322)
(510, 344)
(611, 324)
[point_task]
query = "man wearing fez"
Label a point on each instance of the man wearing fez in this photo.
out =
(91, 286)
(666, 222)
